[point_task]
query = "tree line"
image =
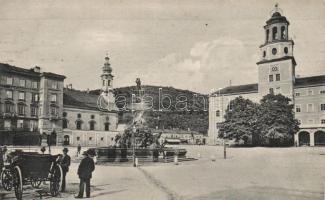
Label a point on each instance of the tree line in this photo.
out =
(268, 123)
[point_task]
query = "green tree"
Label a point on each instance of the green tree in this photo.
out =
(276, 121)
(240, 120)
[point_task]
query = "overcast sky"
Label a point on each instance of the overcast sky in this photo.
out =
(195, 45)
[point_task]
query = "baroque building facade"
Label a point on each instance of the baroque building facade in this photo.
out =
(277, 74)
(36, 103)
(30, 101)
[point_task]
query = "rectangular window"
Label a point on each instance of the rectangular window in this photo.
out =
(21, 96)
(9, 94)
(53, 110)
(90, 138)
(310, 92)
(106, 126)
(102, 139)
(322, 107)
(310, 121)
(298, 108)
(277, 77)
(92, 126)
(297, 94)
(78, 138)
(218, 113)
(9, 80)
(54, 85)
(310, 107)
(109, 83)
(322, 92)
(7, 124)
(20, 123)
(35, 84)
(35, 97)
(9, 108)
(271, 90)
(33, 111)
(271, 78)
(53, 97)
(322, 121)
(21, 109)
(22, 82)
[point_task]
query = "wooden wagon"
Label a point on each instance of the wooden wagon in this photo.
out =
(32, 169)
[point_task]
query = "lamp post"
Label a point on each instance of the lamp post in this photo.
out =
(133, 146)
(221, 114)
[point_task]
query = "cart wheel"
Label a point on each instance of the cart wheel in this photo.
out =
(6, 179)
(56, 180)
(36, 183)
(18, 183)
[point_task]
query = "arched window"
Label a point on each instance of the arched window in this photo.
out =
(274, 33)
(79, 115)
(64, 114)
(64, 123)
(283, 32)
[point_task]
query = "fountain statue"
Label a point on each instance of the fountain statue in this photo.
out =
(137, 140)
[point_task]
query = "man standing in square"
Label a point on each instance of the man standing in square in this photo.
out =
(86, 167)
(65, 163)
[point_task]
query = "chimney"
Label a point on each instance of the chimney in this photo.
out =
(70, 86)
(36, 69)
(87, 90)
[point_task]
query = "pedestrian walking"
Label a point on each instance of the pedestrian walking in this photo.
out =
(78, 149)
(65, 162)
(85, 169)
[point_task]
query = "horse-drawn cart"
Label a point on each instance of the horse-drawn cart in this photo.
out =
(33, 169)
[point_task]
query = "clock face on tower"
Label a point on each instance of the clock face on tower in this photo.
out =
(274, 68)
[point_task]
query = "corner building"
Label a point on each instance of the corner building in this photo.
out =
(33, 103)
(277, 74)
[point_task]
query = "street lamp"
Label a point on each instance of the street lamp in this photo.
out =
(221, 114)
(134, 129)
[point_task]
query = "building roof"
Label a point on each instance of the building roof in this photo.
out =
(310, 81)
(238, 89)
(27, 72)
(79, 99)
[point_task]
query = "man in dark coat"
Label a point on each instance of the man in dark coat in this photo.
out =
(65, 163)
(86, 167)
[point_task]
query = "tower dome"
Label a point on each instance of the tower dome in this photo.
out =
(107, 66)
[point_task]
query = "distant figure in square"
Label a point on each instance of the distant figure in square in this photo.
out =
(65, 162)
(86, 167)
(78, 149)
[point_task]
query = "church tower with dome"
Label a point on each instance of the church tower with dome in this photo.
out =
(276, 68)
(107, 85)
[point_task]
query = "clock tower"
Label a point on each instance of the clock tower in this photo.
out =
(276, 68)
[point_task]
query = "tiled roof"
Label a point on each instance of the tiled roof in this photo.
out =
(9, 68)
(310, 81)
(79, 99)
(28, 72)
(238, 89)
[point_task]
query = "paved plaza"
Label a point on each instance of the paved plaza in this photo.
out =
(247, 173)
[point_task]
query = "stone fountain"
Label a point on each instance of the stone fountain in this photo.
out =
(138, 142)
